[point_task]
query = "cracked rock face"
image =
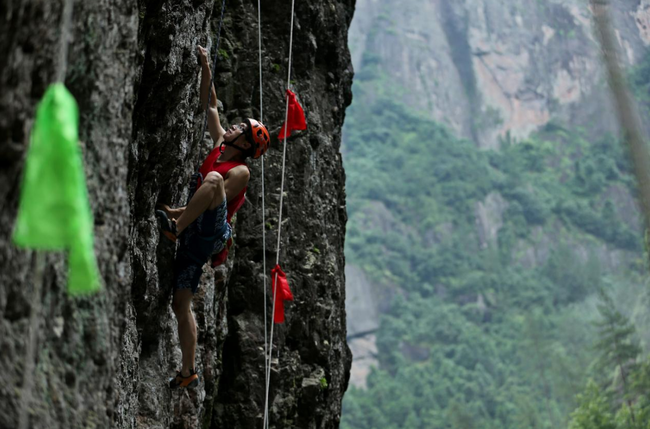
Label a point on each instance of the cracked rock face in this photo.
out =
(492, 68)
(103, 361)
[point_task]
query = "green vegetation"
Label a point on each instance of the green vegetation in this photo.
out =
(619, 398)
(224, 54)
(323, 383)
(490, 332)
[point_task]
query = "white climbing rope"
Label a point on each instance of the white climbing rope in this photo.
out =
(66, 19)
(39, 257)
(28, 375)
(277, 257)
(266, 337)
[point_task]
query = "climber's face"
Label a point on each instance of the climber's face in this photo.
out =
(234, 131)
(235, 135)
(234, 141)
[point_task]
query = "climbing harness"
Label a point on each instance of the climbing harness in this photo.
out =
(277, 257)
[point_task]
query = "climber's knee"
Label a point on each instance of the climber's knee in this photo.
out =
(214, 180)
(181, 304)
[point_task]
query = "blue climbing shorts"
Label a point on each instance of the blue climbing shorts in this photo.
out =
(208, 234)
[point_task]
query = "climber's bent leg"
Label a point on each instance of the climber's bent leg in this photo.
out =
(187, 274)
(210, 195)
(186, 328)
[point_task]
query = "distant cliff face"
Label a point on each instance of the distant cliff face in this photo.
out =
(491, 70)
(488, 68)
(103, 361)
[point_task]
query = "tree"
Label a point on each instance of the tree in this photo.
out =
(640, 381)
(617, 345)
(593, 411)
(536, 347)
(459, 417)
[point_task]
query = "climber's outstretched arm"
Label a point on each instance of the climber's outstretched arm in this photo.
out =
(214, 124)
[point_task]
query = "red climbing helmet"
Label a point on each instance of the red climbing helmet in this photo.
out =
(258, 136)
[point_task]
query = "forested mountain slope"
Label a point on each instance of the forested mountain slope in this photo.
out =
(486, 246)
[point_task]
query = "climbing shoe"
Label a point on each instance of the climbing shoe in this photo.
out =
(167, 225)
(191, 380)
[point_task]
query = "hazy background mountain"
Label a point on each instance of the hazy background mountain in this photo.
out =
(489, 201)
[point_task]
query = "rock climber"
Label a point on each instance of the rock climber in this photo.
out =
(203, 226)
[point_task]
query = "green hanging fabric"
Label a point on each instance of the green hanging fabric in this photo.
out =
(54, 212)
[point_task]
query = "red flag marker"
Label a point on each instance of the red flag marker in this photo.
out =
(283, 293)
(296, 118)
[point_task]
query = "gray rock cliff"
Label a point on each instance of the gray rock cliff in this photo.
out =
(492, 68)
(102, 361)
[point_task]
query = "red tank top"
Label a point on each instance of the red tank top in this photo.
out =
(211, 163)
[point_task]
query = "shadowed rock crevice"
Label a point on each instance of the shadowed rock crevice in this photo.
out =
(455, 25)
